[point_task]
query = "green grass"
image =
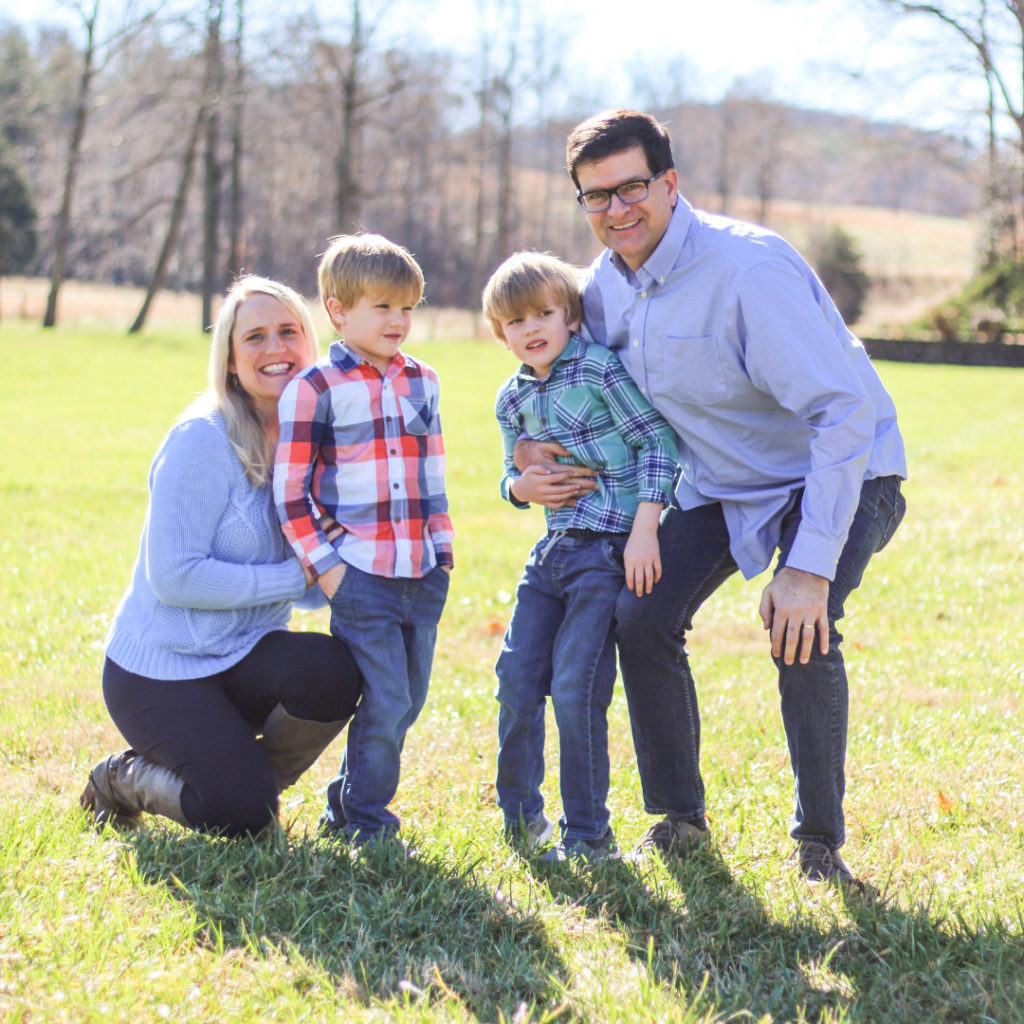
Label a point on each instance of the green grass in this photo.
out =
(167, 925)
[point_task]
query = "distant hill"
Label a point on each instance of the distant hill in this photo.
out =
(749, 146)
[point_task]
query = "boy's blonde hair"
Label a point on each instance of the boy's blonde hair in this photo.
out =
(245, 428)
(362, 264)
(526, 282)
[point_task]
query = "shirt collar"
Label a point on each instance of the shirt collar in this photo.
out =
(663, 260)
(574, 350)
(345, 359)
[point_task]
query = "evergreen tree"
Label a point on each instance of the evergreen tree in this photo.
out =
(17, 219)
(839, 264)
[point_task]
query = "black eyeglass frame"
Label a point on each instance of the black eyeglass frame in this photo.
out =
(646, 182)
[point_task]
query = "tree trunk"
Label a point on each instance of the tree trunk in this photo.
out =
(60, 245)
(506, 88)
(348, 197)
(188, 162)
(725, 157)
(505, 183)
(211, 168)
(476, 280)
(235, 257)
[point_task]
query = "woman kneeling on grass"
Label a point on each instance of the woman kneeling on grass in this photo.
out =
(199, 659)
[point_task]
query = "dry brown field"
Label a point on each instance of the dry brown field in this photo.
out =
(915, 262)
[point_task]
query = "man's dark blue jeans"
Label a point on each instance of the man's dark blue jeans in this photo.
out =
(651, 634)
(560, 643)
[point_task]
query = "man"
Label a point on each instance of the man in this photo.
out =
(787, 440)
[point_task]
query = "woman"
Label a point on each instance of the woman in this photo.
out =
(199, 659)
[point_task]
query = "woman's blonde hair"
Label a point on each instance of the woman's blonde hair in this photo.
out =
(244, 426)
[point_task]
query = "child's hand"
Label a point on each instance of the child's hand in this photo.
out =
(643, 555)
(331, 580)
(331, 527)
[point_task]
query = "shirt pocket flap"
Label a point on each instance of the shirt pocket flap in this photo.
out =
(415, 414)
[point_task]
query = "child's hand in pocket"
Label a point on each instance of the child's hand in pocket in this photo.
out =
(331, 580)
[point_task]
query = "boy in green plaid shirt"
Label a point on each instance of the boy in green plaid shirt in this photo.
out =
(560, 642)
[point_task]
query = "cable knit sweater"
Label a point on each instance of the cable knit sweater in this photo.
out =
(214, 573)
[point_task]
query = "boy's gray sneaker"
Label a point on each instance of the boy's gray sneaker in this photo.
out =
(673, 836)
(820, 864)
(583, 851)
(530, 836)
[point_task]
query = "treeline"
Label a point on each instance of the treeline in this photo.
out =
(179, 152)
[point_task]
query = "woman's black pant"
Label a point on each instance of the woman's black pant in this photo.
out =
(205, 729)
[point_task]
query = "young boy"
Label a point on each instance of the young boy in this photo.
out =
(560, 640)
(361, 441)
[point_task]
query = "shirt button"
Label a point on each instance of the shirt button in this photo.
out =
(544, 421)
(643, 391)
(396, 486)
(543, 387)
(635, 343)
(387, 419)
(398, 519)
(392, 450)
(661, 280)
(643, 295)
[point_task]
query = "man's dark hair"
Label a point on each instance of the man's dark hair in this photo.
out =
(614, 131)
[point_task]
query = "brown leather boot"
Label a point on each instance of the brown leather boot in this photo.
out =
(294, 744)
(124, 785)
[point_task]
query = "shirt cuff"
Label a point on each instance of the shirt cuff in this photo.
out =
(653, 494)
(322, 560)
(814, 553)
(506, 492)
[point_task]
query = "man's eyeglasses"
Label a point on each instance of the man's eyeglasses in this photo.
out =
(631, 192)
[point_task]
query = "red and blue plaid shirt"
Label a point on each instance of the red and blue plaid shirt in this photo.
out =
(368, 451)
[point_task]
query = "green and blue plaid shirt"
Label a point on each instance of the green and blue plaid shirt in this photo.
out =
(590, 405)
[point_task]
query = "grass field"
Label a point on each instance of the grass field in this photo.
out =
(166, 925)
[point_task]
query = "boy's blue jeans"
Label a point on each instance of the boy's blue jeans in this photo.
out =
(390, 625)
(659, 686)
(560, 643)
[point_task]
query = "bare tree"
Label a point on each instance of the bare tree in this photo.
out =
(483, 95)
(505, 88)
(60, 242)
(971, 20)
(211, 160)
(235, 257)
(350, 69)
(170, 243)
(765, 143)
(94, 55)
(728, 132)
(207, 98)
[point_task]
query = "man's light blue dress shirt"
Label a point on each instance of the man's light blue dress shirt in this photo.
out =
(735, 341)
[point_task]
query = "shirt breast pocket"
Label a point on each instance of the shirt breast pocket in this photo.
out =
(415, 414)
(688, 370)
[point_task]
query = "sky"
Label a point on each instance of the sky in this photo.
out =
(843, 55)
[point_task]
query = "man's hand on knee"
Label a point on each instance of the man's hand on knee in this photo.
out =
(546, 481)
(794, 606)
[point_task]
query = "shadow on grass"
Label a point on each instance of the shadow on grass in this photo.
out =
(379, 926)
(857, 959)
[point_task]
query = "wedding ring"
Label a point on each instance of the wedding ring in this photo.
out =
(808, 625)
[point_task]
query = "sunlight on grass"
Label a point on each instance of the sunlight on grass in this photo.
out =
(165, 925)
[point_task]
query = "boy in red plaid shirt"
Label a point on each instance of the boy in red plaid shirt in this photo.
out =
(361, 441)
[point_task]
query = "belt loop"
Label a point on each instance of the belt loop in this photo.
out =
(552, 541)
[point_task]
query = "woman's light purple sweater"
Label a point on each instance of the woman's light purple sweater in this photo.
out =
(214, 573)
